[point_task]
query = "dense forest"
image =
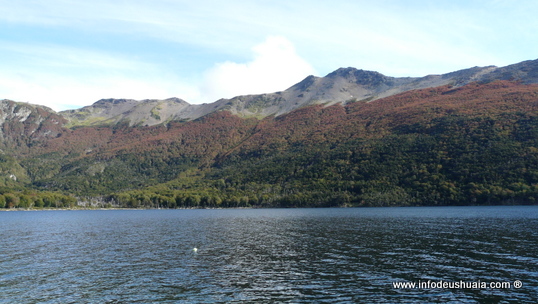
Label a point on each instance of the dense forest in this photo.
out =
(470, 145)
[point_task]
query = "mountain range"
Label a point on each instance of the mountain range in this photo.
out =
(340, 86)
(351, 138)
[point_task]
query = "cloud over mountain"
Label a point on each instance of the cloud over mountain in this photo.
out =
(274, 67)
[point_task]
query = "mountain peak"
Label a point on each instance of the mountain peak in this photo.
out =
(176, 100)
(116, 101)
(352, 72)
(361, 77)
(305, 83)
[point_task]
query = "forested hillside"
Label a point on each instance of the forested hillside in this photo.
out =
(470, 145)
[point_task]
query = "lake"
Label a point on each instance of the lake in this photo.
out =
(348, 255)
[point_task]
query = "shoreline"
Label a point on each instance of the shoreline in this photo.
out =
(340, 207)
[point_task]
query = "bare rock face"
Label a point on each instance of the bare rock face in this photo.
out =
(21, 124)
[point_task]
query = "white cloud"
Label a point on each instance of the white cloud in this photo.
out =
(66, 78)
(63, 77)
(275, 67)
(61, 93)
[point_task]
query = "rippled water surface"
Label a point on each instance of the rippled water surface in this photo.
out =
(268, 255)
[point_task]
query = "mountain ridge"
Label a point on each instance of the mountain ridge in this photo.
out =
(339, 86)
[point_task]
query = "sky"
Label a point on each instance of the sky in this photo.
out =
(66, 54)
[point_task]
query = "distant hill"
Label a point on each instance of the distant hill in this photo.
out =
(351, 138)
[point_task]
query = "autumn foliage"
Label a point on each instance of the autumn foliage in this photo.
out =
(476, 144)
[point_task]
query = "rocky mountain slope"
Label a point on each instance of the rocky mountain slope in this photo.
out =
(340, 86)
(23, 123)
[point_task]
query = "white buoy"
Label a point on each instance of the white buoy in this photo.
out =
(195, 249)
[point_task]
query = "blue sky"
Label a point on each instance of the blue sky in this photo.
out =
(67, 53)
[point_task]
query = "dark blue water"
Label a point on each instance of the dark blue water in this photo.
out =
(268, 255)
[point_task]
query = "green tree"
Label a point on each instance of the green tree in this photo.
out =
(12, 201)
